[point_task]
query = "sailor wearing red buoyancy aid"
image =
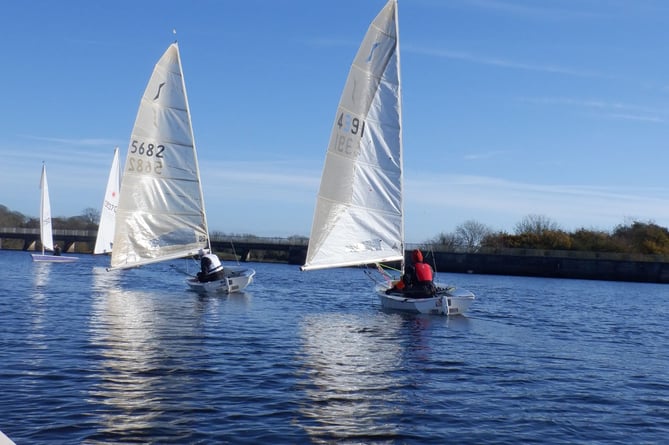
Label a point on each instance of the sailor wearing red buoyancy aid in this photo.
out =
(423, 270)
(418, 278)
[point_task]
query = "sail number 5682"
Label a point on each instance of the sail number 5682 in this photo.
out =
(144, 149)
(137, 159)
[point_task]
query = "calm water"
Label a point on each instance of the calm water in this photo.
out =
(90, 356)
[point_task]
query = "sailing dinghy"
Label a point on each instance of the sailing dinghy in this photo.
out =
(45, 230)
(161, 213)
(359, 215)
(105, 238)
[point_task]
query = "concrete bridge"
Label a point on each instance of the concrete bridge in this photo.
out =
(84, 241)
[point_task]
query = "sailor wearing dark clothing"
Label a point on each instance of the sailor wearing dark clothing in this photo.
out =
(210, 268)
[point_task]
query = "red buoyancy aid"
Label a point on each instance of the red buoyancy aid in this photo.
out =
(423, 272)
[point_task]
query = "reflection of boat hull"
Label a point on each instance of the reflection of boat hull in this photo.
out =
(236, 279)
(448, 301)
(37, 257)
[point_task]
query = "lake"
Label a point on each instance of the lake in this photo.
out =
(96, 357)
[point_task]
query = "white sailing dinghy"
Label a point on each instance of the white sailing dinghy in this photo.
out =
(161, 213)
(45, 230)
(105, 238)
(359, 216)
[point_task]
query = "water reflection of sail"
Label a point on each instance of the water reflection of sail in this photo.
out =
(41, 275)
(41, 271)
(352, 373)
(122, 330)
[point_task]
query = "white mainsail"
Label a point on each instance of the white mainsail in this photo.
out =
(359, 211)
(105, 238)
(161, 214)
(45, 232)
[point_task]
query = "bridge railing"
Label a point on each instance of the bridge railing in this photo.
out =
(260, 240)
(58, 232)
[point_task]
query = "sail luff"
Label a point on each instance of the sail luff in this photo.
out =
(197, 165)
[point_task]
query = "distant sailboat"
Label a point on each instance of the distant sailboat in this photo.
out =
(105, 238)
(359, 215)
(161, 214)
(45, 230)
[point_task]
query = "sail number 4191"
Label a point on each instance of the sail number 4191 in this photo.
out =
(137, 161)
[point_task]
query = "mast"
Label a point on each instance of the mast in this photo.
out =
(399, 103)
(190, 128)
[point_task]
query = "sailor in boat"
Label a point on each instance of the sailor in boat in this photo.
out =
(417, 279)
(56, 250)
(211, 268)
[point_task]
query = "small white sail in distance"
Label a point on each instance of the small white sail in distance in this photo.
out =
(45, 229)
(105, 238)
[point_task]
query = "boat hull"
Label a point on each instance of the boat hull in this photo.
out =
(39, 258)
(236, 279)
(448, 301)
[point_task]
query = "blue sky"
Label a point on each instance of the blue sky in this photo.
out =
(511, 107)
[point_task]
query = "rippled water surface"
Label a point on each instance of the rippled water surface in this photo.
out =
(90, 356)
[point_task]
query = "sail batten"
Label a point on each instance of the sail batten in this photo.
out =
(359, 217)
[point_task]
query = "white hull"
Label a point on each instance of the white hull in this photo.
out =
(38, 257)
(448, 301)
(236, 279)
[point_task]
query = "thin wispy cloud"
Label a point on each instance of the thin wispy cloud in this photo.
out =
(72, 142)
(535, 10)
(599, 108)
(332, 43)
(484, 156)
(499, 62)
(263, 177)
(573, 205)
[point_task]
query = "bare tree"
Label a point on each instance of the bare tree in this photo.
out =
(91, 215)
(470, 234)
(536, 225)
(447, 240)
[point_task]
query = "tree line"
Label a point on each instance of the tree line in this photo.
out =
(540, 232)
(88, 220)
(532, 232)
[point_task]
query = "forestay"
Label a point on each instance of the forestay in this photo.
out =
(161, 208)
(359, 214)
